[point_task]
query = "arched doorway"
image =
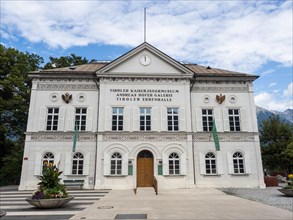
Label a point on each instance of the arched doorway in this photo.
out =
(145, 169)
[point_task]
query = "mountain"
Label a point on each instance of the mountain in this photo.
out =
(264, 114)
(288, 114)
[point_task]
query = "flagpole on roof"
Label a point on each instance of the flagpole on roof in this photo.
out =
(144, 24)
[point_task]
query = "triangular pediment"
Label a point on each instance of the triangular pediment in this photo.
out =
(145, 60)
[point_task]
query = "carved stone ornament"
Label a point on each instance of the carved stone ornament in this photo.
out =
(220, 98)
(66, 97)
(144, 137)
(238, 137)
(62, 137)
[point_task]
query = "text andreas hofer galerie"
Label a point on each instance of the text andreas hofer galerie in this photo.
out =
(150, 95)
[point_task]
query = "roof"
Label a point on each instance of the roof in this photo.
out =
(96, 67)
(84, 68)
(200, 70)
(92, 68)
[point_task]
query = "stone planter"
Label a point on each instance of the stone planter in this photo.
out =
(287, 192)
(49, 203)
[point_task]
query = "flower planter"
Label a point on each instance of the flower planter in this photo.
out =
(287, 192)
(49, 203)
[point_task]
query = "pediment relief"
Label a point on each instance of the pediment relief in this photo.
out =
(145, 60)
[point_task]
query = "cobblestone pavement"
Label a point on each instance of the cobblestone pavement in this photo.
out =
(269, 196)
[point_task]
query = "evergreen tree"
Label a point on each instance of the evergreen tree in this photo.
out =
(276, 140)
(65, 61)
(14, 102)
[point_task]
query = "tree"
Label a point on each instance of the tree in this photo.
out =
(276, 140)
(14, 101)
(65, 61)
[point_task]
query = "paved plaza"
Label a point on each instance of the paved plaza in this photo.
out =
(200, 203)
(14, 204)
(204, 203)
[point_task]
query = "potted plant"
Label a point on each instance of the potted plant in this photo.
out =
(50, 193)
(288, 190)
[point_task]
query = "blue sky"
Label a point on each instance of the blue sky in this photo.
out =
(246, 36)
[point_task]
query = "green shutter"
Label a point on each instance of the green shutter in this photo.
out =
(130, 170)
(160, 170)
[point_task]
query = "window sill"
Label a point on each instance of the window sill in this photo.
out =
(174, 175)
(76, 175)
(211, 175)
(115, 175)
(239, 174)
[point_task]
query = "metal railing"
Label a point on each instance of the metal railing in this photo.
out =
(155, 185)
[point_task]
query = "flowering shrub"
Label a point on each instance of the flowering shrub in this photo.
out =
(290, 183)
(50, 186)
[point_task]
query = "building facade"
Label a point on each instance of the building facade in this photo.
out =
(141, 116)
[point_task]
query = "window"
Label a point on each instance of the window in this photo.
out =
(47, 159)
(52, 119)
(80, 119)
(207, 119)
(234, 119)
(145, 119)
(238, 163)
(174, 165)
(172, 117)
(210, 163)
(116, 164)
(117, 119)
(77, 164)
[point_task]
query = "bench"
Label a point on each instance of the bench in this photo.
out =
(73, 183)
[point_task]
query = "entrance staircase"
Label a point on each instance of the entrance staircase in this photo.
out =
(145, 191)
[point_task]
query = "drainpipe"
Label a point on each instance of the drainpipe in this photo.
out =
(193, 159)
(97, 132)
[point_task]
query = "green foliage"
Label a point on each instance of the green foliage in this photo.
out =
(50, 177)
(12, 162)
(14, 102)
(276, 143)
(15, 89)
(50, 186)
(65, 61)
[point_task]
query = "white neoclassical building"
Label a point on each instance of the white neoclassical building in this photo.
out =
(143, 115)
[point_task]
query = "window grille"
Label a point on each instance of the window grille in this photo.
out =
(174, 164)
(117, 119)
(116, 164)
(145, 119)
(52, 119)
(77, 164)
(173, 119)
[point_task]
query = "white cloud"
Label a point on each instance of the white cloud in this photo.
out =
(237, 35)
(272, 84)
(289, 91)
(273, 101)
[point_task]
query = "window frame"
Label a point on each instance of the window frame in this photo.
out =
(173, 167)
(234, 120)
(145, 119)
(79, 164)
(117, 118)
(47, 157)
(173, 119)
(80, 118)
(209, 162)
(237, 162)
(116, 164)
(207, 119)
(52, 117)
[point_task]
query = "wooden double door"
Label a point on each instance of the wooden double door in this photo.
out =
(145, 169)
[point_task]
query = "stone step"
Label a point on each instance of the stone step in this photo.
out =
(145, 191)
